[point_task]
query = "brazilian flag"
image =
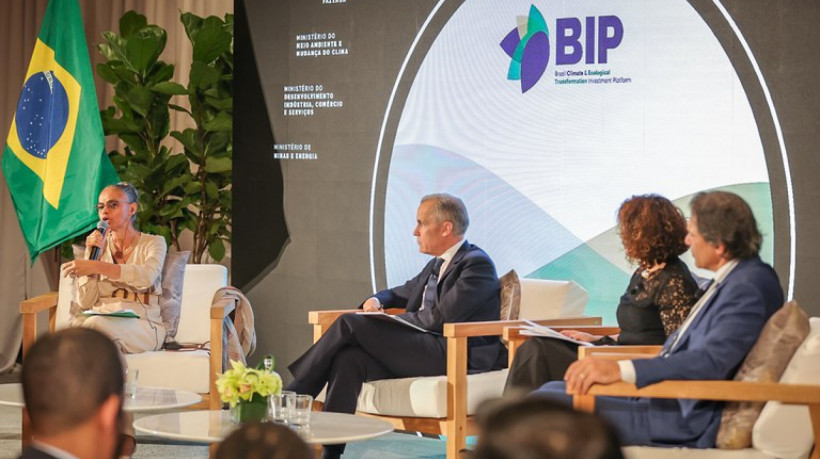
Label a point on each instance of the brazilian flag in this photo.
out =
(54, 161)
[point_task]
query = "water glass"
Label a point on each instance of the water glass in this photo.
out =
(303, 405)
(280, 407)
(131, 377)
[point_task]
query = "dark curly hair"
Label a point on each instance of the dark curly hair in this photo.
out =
(652, 229)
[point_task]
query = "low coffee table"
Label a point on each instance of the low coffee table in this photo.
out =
(213, 426)
(148, 399)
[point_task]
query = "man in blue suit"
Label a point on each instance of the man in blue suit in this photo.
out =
(711, 344)
(458, 285)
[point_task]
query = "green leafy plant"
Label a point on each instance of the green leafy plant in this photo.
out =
(140, 118)
(209, 146)
(242, 383)
(178, 191)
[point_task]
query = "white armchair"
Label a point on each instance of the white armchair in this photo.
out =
(200, 322)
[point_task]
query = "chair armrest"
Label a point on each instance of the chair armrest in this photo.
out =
(29, 309)
(619, 352)
(737, 391)
(514, 338)
(222, 308)
(327, 317)
(514, 333)
(39, 303)
(496, 327)
(322, 320)
(219, 310)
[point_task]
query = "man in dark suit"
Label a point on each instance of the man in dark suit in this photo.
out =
(711, 344)
(72, 387)
(458, 285)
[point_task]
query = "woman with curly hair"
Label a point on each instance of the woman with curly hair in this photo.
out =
(657, 300)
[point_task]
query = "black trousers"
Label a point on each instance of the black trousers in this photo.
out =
(357, 349)
(539, 361)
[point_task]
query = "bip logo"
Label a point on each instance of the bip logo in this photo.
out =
(528, 45)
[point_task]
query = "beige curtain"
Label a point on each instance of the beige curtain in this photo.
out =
(19, 26)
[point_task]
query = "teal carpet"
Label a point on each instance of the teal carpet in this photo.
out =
(396, 446)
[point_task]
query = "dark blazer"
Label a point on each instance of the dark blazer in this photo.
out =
(713, 347)
(468, 291)
(34, 453)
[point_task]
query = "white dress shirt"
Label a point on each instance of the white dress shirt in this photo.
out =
(447, 256)
(52, 450)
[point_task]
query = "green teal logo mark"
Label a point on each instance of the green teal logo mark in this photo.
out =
(528, 46)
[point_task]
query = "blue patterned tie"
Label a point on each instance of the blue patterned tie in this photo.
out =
(430, 291)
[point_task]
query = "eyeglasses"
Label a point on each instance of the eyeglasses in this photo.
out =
(111, 205)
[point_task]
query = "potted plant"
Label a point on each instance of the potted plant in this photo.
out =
(247, 391)
(188, 190)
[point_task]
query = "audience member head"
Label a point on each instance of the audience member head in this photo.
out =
(263, 441)
(441, 221)
(724, 223)
(535, 427)
(652, 229)
(72, 386)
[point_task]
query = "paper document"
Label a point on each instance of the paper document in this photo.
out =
(124, 313)
(391, 318)
(533, 329)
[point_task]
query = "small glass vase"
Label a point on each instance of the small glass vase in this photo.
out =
(253, 410)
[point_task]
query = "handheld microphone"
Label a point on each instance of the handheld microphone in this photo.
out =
(102, 227)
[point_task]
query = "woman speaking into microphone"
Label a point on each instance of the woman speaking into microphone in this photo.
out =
(125, 275)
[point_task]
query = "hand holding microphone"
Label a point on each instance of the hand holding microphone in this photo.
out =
(95, 243)
(96, 240)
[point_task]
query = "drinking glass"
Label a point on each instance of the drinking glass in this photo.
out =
(131, 377)
(302, 406)
(280, 407)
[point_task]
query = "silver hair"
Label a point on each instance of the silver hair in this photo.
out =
(449, 208)
(131, 194)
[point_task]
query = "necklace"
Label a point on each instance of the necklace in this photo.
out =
(124, 249)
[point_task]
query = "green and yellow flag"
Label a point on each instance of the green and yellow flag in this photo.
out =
(54, 161)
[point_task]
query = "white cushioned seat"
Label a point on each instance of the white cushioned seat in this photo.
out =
(426, 397)
(186, 370)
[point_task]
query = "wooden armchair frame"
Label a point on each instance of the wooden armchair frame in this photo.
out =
(735, 391)
(32, 307)
(457, 425)
(514, 337)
